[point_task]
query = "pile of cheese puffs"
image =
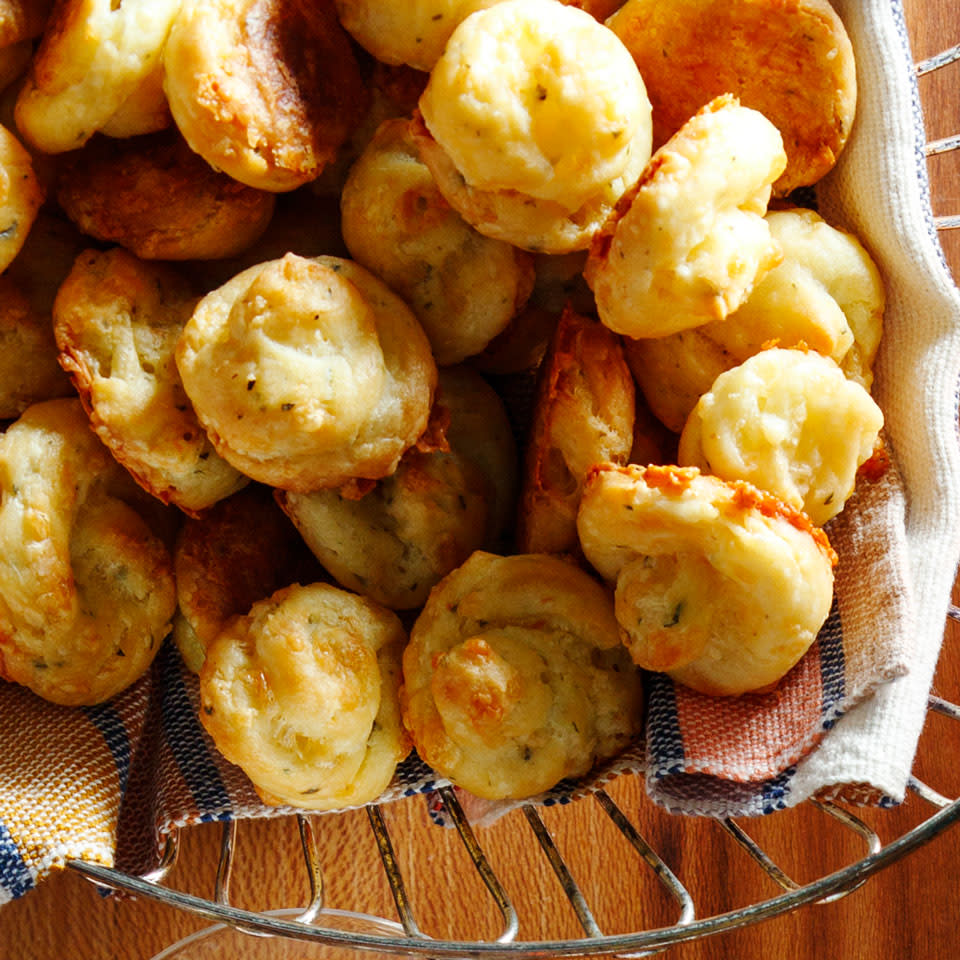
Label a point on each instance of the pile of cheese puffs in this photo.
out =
(430, 370)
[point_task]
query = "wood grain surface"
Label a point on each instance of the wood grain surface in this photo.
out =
(908, 910)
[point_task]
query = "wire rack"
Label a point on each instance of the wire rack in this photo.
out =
(314, 922)
(310, 924)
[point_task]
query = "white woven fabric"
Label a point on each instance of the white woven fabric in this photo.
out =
(879, 190)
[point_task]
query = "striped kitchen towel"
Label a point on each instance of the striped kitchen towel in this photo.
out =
(63, 776)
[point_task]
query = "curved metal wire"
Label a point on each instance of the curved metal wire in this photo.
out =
(604, 945)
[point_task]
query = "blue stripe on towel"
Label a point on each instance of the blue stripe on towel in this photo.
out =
(664, 741)
(106, 719)
(773, 793)
(832, 668)
(15, 877)
(185, 736)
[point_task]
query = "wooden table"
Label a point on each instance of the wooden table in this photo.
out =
(910, 909)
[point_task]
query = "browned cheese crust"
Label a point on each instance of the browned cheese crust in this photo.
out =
(584, 414)
(265, 90)
(789, 59)
(719, 584)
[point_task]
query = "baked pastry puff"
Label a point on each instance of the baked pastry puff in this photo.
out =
(534, 122)
(86, 589)
(826, 294)
(20, 196)
(117, 321)
(686, 245)
(514, 676)
(401, 32)
(394, 542)
(97, 69)
(791, 61)
(302, 694)
(583, 414)
(160, 200)
(720, 585)
(265, 90)
(787, 421)
(464, 287)
(307, 373)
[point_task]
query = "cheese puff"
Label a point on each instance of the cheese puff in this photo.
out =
(307, 373)
(826, 294)
(583, 414)
(514, 676)
(86, 589)
(227, 558)
(264, 90)
(160, 200)
(528, 137)
(793, 62)
(718, 584)
(687, 244)
(117, 322)
(29, 371)
(302, 694)
(20, 196)
(463, 287)
(412, 32)
(96, 57)
(396, 541)
(787, 421)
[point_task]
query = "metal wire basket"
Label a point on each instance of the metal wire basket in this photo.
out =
(311, 924)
